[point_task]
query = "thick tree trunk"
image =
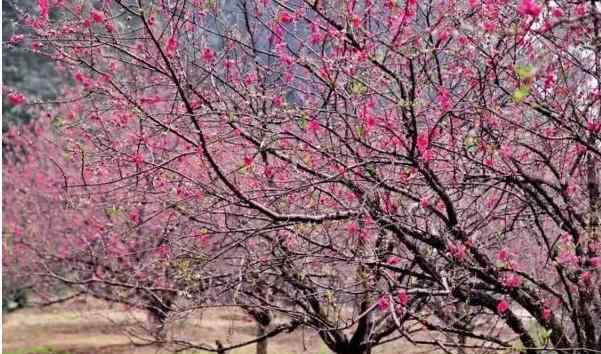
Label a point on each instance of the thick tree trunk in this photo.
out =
(358, 351)
(262, 344)
(220, 349)
(351, 349)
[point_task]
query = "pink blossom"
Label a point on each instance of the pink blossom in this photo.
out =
(383, 303)
(390, 206)
(586, 279)
(567, 258)
(313, 126)
(403, 298)
(546, 27)
(277, 35)
(503, 255)
(138, 159)
(16, 39)
(97, 16)
(457, 251)
(595, 262)
(208, 55)
(443, 99)
(282, 52)
(202, 240)
(134, 216)
(506, 151)
(163, 251)
(443, 36)
(249, 79)
(316, 38)
(393, 260)
(36, 46)
(422, 141)
(489, 26)
(277, 101)
(502, 306)
(248, 160)
(557, 12)
(547, 314)
(427, 155)
(15, 98)
(44, 8)
(172, 45)
(424, 202)
(530, 8)
(269, 171)
(151, 100)
(80, 77)
(549, 80)
(440, 205)
(550, 132)
(512, 281)
(370, 121)
(286, 17)
(353, 228)
(109, 27)
(593, 127)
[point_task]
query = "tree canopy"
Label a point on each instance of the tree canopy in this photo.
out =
(373, 170)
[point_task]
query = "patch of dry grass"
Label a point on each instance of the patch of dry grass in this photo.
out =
(96, 327)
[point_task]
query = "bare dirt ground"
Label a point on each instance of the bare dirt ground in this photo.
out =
(95, 327)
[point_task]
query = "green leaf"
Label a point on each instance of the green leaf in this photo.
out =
(112, 211)
(356, 87)
(471, 141)
(360, 131)
(370, 169)
(518, 347)
(58, 122)
(302, 122)
(524, 71)
(521, 93)
(545, 333)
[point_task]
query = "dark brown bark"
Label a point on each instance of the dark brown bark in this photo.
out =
(220, 349)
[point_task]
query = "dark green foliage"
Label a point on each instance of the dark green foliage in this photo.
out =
(13, 296)
(31, 74)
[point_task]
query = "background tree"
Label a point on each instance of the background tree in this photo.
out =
(24, 71)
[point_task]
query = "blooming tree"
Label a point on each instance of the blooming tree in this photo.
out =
(370, 169)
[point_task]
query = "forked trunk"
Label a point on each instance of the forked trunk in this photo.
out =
(354, 350)
(358, 351)
(220, 349)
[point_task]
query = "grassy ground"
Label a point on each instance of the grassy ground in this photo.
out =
(90, 326)
(93, 327)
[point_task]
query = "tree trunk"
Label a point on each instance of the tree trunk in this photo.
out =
(220, 349)
(262, 344)
(358, 351)
(353, 350)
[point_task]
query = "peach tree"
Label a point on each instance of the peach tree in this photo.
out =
(374, 170)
